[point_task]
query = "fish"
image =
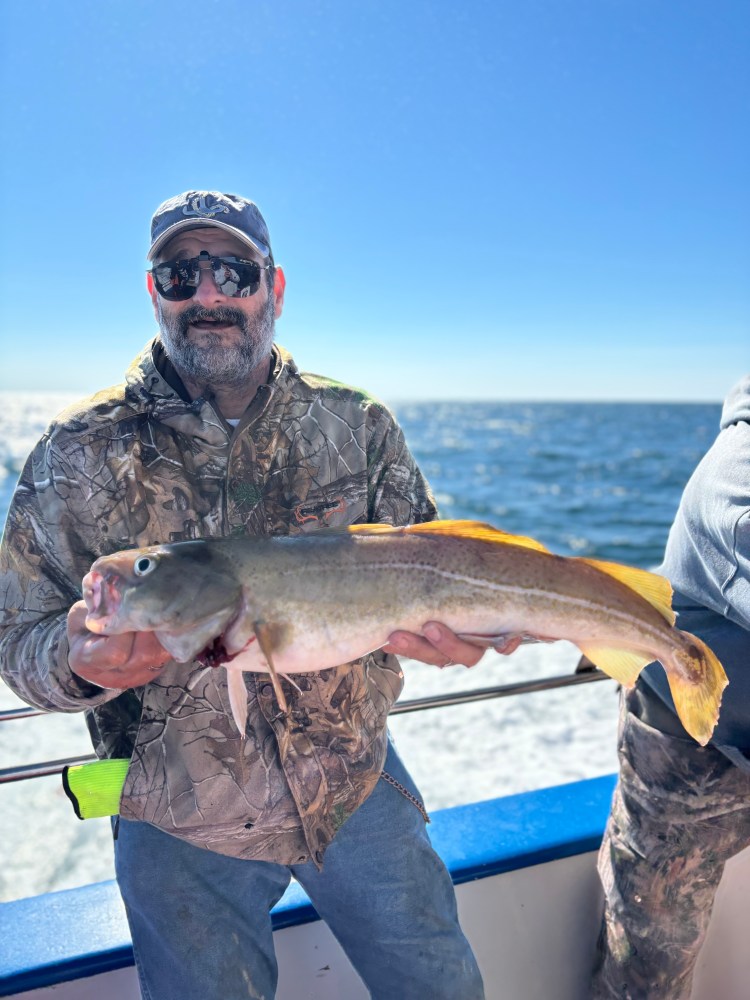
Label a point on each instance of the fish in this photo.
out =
(308, 602)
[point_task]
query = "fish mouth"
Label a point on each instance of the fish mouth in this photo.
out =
(102, 597)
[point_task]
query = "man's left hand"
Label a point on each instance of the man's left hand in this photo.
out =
(441, 647)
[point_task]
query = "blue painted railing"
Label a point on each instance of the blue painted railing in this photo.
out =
(81, 932)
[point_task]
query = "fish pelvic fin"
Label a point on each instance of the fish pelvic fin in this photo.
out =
(264, 634)
(237, 699)
(477, 530)
(655, 589)
(697, 680)
(622, 664)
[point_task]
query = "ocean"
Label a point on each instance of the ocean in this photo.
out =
(593, 479)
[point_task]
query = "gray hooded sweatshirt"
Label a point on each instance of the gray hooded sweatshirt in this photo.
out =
(707, 559)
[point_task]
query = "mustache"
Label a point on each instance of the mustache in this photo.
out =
(221, 314)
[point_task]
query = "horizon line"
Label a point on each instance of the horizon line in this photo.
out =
(464, 400)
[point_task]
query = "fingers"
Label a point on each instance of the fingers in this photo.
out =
(77, 618)
(130, 659)
(509, 645)
(438, 646)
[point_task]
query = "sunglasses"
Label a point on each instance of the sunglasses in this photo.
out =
(177, 280)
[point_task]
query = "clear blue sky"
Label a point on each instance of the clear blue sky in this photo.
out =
(543, 199)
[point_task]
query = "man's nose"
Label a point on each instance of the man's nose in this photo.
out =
(207, 291)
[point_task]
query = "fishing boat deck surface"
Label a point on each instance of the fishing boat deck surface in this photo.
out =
(528, 895)
(52, 939)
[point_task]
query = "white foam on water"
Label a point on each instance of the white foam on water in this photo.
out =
(460, 754)
(23, 418)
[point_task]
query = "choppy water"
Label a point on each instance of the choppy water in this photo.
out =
(586, 479)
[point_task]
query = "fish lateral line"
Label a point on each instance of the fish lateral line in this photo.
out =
(519, 590)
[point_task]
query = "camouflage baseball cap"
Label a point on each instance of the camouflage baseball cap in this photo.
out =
(195, 209)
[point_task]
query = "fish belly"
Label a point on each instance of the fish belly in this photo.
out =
(319, 642)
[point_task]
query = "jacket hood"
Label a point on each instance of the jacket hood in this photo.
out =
(737, 404)
(149, 388)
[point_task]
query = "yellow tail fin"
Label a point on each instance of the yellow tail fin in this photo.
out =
(696, 680)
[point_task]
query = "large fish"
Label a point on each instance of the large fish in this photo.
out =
(309, 602)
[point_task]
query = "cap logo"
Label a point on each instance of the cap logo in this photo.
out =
(199, 206)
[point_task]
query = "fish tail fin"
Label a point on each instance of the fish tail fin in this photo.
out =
(696, 679)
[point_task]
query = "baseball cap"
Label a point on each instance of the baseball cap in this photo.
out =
(195, 209)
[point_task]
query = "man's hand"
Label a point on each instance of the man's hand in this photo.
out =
(442, 648)
(113, 661)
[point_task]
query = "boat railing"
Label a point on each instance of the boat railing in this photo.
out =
(582, 675)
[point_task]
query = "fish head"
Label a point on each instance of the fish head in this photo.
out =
(185, 593)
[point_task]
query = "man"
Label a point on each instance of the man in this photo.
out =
(681, 811)
(216, 432)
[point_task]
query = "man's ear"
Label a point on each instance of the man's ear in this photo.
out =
(279, 285)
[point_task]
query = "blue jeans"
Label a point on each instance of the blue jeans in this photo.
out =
(201, 927)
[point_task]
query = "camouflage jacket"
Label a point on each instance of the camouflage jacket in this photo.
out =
(138, 464)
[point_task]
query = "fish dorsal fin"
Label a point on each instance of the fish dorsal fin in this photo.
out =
(622, 664)
(655, 589)
(477, 530)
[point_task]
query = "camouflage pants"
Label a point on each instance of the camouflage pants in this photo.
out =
(680, 811)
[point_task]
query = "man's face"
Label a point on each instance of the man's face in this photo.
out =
(212, 338)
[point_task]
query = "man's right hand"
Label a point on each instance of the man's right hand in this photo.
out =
(113, 661)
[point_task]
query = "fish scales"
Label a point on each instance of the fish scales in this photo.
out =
(415, 587)
(310, 602)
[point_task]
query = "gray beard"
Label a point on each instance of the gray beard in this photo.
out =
(214, 363)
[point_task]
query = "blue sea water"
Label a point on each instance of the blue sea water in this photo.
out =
(589, 479)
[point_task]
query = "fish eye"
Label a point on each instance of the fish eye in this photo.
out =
(144, 565)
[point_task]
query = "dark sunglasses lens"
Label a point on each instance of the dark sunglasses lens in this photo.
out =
(236, 278)
(175, 280)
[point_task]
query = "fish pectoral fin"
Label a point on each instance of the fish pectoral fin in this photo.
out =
(477, 530)
(622, 664)
(655, 589)
(237, 699)
(264, 633)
